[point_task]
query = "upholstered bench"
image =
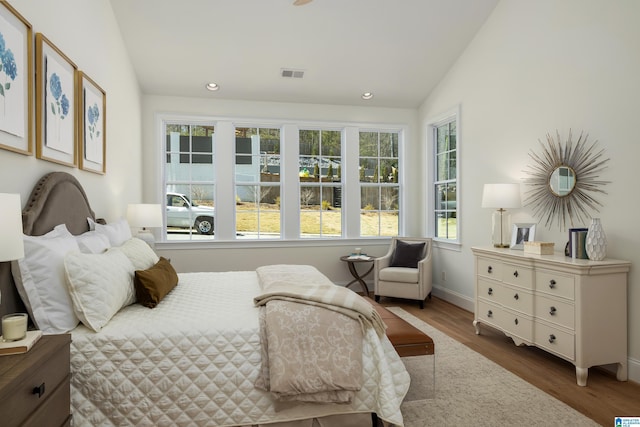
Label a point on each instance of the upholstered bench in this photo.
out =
(406, 338)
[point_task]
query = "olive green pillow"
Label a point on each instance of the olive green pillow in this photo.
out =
(155, 283)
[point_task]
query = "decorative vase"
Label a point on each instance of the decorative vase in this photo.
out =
(596, 243)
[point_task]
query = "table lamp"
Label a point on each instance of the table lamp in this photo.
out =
(144, 216)
(501, 197)
(11, 243)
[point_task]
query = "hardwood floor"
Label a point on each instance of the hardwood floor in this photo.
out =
(602, 399)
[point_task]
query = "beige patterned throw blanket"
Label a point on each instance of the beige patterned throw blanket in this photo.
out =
(311, 335)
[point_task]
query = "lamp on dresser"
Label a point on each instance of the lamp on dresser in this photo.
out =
(144, 216)
(501, 197)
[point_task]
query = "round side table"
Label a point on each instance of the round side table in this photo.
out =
(359, 278)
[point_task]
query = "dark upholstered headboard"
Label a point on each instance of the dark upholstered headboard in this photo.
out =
(57, 198)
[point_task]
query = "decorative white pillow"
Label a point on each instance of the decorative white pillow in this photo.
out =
(139, 253)
(99, 285)
(92, 242)
(118, 232)
(41, 283)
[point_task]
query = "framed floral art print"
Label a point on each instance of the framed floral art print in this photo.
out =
(16, 82)
(56, 117)
(92, 107)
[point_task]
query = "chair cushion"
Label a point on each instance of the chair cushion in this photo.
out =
(407, 254)
(399, 274)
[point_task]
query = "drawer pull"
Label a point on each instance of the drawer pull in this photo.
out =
(489, 269)
(39, 390)
(516, 297)
(489, 313)
(552, 338)
(515, 273)
(552, 283)
(552, 311)
(490, 291)
(516, 321)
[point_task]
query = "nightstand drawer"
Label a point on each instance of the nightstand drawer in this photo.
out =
(48, 371)
(55, 410)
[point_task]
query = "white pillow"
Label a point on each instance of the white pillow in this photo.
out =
(40, 280)
(99, 285)
(92, 242)
(118, 232)
(139, 253)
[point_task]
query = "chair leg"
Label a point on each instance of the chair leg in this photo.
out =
(421, 304)
(377, 298)
(429, 296)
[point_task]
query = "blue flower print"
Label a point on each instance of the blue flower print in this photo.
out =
(59, 107)
(8, 66)
(93, 113)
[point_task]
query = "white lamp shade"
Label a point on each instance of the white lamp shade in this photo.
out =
(501, 196)
(144, 215)
(11, 243)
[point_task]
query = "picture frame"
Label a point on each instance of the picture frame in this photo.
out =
(16, 77)
(522, 232)
(56, 103)
(92, 124)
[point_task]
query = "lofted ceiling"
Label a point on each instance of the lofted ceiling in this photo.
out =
(397, 49)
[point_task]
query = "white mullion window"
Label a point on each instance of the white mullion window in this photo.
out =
(189, 181)
(320, 176)
(446, 224)
(379, 183)
(257, 178)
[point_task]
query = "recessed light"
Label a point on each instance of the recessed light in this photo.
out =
(367, 95)
(212, 86)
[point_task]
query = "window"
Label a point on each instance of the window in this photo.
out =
(234, 181)
(379, 186)
(257, 183)
(320, 175)
(446, 179)
(189, 181)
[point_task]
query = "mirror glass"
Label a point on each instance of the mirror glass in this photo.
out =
(562, 181)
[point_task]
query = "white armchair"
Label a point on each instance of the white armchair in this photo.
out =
(395, 274)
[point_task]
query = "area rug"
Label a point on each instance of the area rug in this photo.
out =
(471, 390)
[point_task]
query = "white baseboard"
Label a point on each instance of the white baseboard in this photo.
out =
(633, 368)
(454, 298)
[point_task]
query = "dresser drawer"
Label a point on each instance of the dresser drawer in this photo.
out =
(516, 324)
(516, 299)
(489, 290)
(517, 275)
(555, 340)
(555, 284)
(22, 401)
(489, 267)
(490, 314)
(555, 311)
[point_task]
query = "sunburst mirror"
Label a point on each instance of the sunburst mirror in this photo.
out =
(564, 179)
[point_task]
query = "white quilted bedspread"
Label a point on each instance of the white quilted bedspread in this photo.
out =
(193, 360)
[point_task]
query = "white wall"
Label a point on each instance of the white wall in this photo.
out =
(87, 33)
(537, 67)
(245, 256)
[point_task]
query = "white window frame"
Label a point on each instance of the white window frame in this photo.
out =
(432, 125)
(290, 185)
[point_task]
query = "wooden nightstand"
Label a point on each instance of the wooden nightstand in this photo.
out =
(34, 386)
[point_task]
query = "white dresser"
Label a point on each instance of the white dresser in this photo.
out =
(573, 308)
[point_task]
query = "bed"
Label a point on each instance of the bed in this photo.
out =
(193, 359)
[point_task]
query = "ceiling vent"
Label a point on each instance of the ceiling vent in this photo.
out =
(291, 73)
